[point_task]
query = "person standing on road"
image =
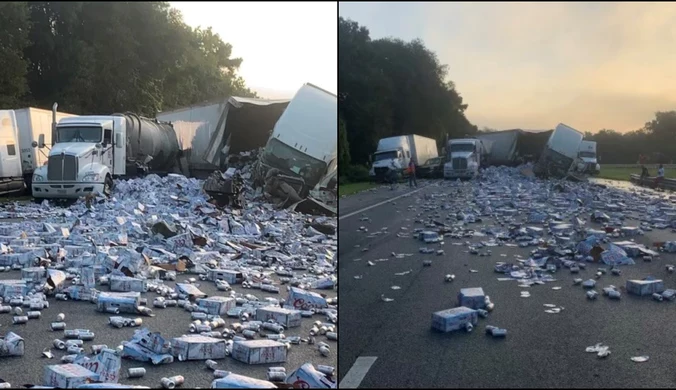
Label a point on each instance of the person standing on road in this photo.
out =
(411, 174)
(660, 175)
(392, 174)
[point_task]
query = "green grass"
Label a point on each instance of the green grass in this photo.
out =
(614, 173)
(15, 198)
(349, 189)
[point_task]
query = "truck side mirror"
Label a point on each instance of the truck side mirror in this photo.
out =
(118, 140)
(41, 141)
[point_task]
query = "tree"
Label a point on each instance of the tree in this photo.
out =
(343, 145)
(14, 28)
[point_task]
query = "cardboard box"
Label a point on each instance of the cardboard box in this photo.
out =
(454, 319)
(68, 376)
(127, 284)
(286, 317)
(188, 289)
(11, 345)
(301, 299)
(230, 276)
(33, 274)
(645, 287)
(217, 305)
(473, 298)
(197, 347)
(126, 302)
(88, 277)
(307, 377)
(106, 365)
(11, 288)
(259, 351)
(10, 259)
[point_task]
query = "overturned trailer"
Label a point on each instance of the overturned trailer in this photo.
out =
(515, 146)
(209, 134)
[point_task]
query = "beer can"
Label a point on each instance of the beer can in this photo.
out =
(86, 336)
(96, 349)
(71, 333)
(658, 297)
(57, 325)
(198, 316)
(116, 322)
(18, 311)
(332, 336)
(136, 372)
(68, 359)
(276, 376)
(324, 350)
(171, 303)
(295, 339)
(221, 373)
(5, 309)
(60, 317)
(33, 315)
(314, 331)
(77, 343)
(167, 383)
(36, 305)
(75, 350)
(136, 322)
(326, 370)
(614, 294)
(211, 364)
(61, 297)
(112, 310)
(177, 379)
(249, 334)
(499, 332)
(202, 328)
(19, 319)
(59, 344)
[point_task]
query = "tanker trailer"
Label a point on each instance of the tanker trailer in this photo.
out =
(89, 151)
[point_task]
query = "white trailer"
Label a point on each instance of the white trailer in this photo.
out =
(11, 178)
(31, 122)
(422, 148)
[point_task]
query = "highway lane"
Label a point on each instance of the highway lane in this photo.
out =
(541, 349)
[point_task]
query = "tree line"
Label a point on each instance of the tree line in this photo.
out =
(389, 87)
(105, 57)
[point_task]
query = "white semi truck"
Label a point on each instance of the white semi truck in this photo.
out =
(89, 151)
(11, 177)
(587, 161)
(303, 144)
(397, 151)
(465, 156)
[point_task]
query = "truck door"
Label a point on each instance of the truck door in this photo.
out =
(107, 156)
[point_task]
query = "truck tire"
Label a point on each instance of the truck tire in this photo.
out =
(108, 186)
(28, 181)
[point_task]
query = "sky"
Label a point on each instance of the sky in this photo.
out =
(283, 45)
(534, 65)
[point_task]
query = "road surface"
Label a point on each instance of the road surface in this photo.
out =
(390, 344)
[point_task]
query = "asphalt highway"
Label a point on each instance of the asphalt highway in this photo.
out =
(171, 322)
(540, 350)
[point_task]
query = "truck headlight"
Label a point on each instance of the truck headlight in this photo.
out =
(91, 177)
(37, 177)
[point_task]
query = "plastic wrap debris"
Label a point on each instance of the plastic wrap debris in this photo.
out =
(225, 190)
(197, 347)
(146, 346)
(189, 290)
(307, 376)
(615, 255)
(235, 381)
(259, 351)
(11, 345)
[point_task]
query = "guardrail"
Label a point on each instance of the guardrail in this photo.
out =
(669, 184)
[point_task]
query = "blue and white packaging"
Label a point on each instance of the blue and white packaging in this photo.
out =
(127, 284)
(307, 377)
(301, 299)
(217, 305)
(68, 376)
(473, 298)
(288, 318)
(259, 351)
(235, 381)
(645, 287)
(453, 319)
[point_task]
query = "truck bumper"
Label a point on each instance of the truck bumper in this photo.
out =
(459, 174)
(65, 190)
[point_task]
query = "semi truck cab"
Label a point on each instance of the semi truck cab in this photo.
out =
(587, 161)
(463, 158)
(87, 152)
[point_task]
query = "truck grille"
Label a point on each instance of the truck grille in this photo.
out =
(62, 168)
(459, 163)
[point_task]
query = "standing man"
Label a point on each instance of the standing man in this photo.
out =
(411, 174)
(660, 175)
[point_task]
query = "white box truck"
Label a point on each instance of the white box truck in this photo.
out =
(560, 152)
(465, 156)
(398, 150)
(11, 177)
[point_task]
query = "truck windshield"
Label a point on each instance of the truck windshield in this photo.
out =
(79, 134)
(290, 160)
(462, 148)
(588, 154)
(385, 156)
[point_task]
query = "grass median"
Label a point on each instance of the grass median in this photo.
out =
(352, 188)
(622, 173)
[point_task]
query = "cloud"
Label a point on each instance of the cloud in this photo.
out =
(533, 65)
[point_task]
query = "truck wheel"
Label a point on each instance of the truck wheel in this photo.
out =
(108, 186)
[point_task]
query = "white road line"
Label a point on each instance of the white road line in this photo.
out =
(380, 204)
(357, 373)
